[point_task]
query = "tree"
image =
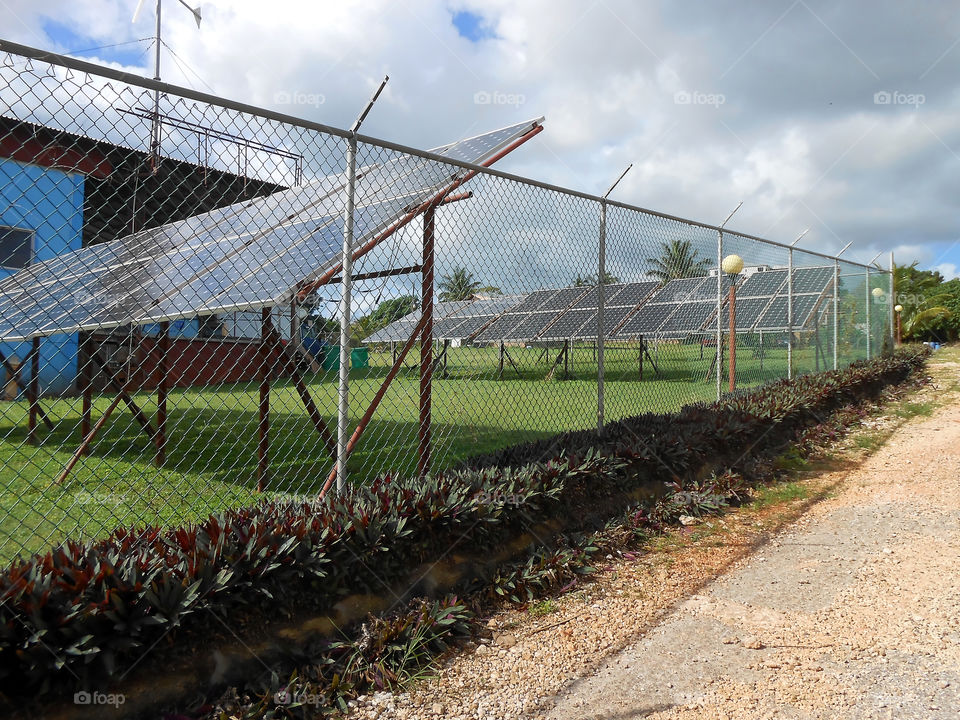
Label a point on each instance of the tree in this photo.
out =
(677, 260)
(458, 285)
(591, 280)
(927, 301)
(385, 313)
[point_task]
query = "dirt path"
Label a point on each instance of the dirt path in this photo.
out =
(851, 612)
(854, 612)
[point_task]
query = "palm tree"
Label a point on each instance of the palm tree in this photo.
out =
(677, 259)
(458, 285)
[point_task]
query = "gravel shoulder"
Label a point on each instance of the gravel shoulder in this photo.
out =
(839, 603)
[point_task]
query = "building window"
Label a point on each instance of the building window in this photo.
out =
(16, 247)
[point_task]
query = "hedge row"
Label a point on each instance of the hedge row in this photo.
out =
(83, 609)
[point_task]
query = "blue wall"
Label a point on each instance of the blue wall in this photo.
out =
(49, 202)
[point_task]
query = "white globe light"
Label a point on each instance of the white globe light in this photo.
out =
(878, 292)
(732, 264)
(898, 308)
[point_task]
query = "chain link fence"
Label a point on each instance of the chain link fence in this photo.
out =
(172, 296)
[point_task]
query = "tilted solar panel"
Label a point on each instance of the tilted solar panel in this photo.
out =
(244, 256)
(814, 279)
(688, 318)
(766, 283)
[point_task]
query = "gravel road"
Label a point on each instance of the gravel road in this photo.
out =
(853, 611)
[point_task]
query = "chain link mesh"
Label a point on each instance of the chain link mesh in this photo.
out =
(474, 321)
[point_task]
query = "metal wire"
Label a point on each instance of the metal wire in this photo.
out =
(474, 320)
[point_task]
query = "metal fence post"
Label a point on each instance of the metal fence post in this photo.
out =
(893, 302)
(719, 308)
(869, 328)
(790, 314)
(601, 274)
(343, 388)
(836, 310)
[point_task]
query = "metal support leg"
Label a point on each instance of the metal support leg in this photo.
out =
(164, 369)
(34, 391)
(426, 347)
(263, 430)
(84, 358)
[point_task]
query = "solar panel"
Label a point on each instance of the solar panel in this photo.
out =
(243, 256)
(529, 327)
(775, 316)
(567, 325)
(686, 290)
(562, 299)
(533, 301)
(647, 320)
(631, 294)
(765, 283)
(612, 317)
(748, 311)
(815, 279)
(688, 318)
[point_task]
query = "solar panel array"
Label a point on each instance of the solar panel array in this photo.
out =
(677, 309)
(244, 256)
(580, 321)
(457, 320)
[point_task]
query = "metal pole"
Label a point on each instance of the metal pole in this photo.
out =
(732, 302)
(601, 279)
(836, 310)
(164, 367)
(346, 287)
(869, 329)
(426, 346)
(601, 273)
(34, 393)
(790, 315)
(346, 261)
(155, 126)
(83, 356)
(263, 430)
(719, 308)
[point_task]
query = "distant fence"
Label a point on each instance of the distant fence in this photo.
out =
(171, 294)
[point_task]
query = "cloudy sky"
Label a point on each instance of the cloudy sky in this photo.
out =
(838, 117)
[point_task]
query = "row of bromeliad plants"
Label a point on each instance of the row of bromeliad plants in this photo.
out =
(341, 597)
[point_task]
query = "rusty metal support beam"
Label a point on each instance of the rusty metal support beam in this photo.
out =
(86, 380)
(439, 198)
(123, 393)
(410, 270)
(263, 428)
(18, 381)
(424, 448)
(85, 444)
(375, 403)
(33, 392)
(163, 366)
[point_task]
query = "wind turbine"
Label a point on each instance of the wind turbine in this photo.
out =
(155, 130)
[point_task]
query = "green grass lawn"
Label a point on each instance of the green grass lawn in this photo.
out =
(212, 450)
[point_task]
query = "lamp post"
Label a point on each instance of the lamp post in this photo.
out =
(732, 265)
(898, 309)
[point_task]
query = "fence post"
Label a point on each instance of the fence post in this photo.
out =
(426, 347)
(719, 308)
(601, 275)
(790, 315)
(836, 310)
(892, 303)
(343, 389)
(869, 329)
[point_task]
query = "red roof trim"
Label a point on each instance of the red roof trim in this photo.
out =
(27, 148)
